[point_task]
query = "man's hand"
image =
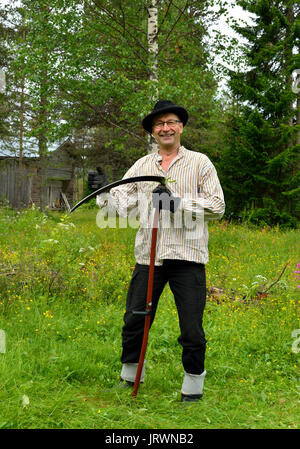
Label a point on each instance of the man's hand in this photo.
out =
(163, 199)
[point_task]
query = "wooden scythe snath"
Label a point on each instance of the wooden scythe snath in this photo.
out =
(147, 312)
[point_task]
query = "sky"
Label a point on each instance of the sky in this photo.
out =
(241, 16)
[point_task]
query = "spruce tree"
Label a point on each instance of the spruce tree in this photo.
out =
(260, 167)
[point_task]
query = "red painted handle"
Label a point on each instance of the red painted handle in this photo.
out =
(149, 303)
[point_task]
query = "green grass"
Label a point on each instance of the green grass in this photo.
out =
(62, 298)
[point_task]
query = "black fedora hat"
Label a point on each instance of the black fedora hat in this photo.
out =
(162, 107)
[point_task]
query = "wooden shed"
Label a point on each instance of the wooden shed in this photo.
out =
(50, 184)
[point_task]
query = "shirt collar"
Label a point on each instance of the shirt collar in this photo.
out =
(180, 154)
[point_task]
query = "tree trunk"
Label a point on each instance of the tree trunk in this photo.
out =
(42, 144)
(298, 116)
(153, 60)
(21, 130)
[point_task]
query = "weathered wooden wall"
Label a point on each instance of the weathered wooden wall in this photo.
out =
(17, 186)
(22, 188)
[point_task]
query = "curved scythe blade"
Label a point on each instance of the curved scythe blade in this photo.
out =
(106, 188)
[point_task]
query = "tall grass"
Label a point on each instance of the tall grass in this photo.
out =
(63, 284)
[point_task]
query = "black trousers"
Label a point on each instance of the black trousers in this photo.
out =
(188, 285)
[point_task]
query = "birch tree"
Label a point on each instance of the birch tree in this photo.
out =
(122, 57)
(153, 60)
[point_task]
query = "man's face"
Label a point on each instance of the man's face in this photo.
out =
(167, 135)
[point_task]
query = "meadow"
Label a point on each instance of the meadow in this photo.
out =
(63, 284)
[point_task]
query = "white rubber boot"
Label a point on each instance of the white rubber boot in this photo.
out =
(192, 387)
(129, 370)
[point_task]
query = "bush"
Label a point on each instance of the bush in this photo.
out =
(271, 216)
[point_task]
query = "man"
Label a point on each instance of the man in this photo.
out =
(196, 196)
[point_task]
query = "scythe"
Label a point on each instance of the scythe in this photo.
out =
(147, 312)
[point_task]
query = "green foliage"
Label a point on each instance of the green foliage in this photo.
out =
(262, 155)
(85, 69)
(271, 216)
(88, 64)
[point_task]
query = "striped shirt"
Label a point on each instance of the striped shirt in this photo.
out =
(184, 234)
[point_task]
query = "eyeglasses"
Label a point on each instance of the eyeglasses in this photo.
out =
(169, 123)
